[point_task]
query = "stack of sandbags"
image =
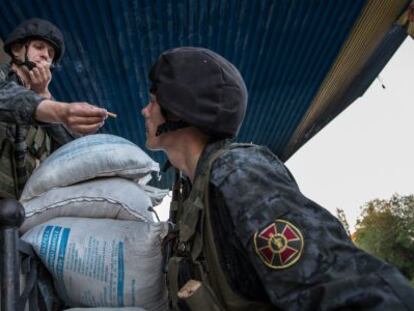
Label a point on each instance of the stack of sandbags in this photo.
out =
(88, 218)
(89, 157)
(96, 176)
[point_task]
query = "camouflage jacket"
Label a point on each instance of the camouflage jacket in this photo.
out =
(276, 245)
(18, 105)
(17, 124)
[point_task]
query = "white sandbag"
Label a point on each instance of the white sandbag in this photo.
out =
(156, 194)
(87, 158)
(103, 262)
(114, 197)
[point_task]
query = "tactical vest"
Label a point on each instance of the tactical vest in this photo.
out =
(195, 244)
(33, 149)
(22, 148)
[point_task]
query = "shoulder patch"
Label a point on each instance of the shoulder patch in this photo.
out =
(279, 245)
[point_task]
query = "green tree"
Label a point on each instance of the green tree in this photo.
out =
(340, 214)
(386, 230)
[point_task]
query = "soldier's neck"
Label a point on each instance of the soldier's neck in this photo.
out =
(186, 150)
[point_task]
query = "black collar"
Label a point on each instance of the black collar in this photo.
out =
(208, 151)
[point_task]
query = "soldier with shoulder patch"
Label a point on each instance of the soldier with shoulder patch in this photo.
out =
(245, 237)
(32, 123)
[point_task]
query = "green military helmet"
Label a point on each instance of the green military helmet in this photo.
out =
(202, 89)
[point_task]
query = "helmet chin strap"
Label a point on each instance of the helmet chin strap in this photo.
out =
(171, 126)
(29, 64)
(172, 123)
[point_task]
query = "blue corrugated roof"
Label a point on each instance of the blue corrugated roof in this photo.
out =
(283, 49)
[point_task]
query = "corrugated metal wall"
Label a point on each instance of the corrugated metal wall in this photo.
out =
(283, 49)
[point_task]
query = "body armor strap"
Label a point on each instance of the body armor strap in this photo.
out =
(195, 245)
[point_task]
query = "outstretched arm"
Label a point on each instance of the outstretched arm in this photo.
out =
(21, 106)
(79, 117)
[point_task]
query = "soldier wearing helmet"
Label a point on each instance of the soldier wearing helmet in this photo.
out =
(245, 237)
(32, 123)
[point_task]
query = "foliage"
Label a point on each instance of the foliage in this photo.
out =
(340, 214)
(386, 229)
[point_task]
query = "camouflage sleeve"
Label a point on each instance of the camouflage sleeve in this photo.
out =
(17, 104)
(300, 252)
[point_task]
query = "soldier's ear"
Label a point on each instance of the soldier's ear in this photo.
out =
(17, 49)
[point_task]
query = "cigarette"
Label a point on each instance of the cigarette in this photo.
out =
(111, 114)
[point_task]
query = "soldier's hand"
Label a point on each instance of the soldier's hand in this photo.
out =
(40, 77)
(79, 117)
(83, 118)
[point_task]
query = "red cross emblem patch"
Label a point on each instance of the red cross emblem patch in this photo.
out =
(279, 245)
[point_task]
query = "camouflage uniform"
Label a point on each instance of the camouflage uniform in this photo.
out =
(277, 246)
(21, 136)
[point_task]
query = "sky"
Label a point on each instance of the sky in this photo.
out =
(367, 152)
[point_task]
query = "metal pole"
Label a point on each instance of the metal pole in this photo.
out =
(11, 217)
